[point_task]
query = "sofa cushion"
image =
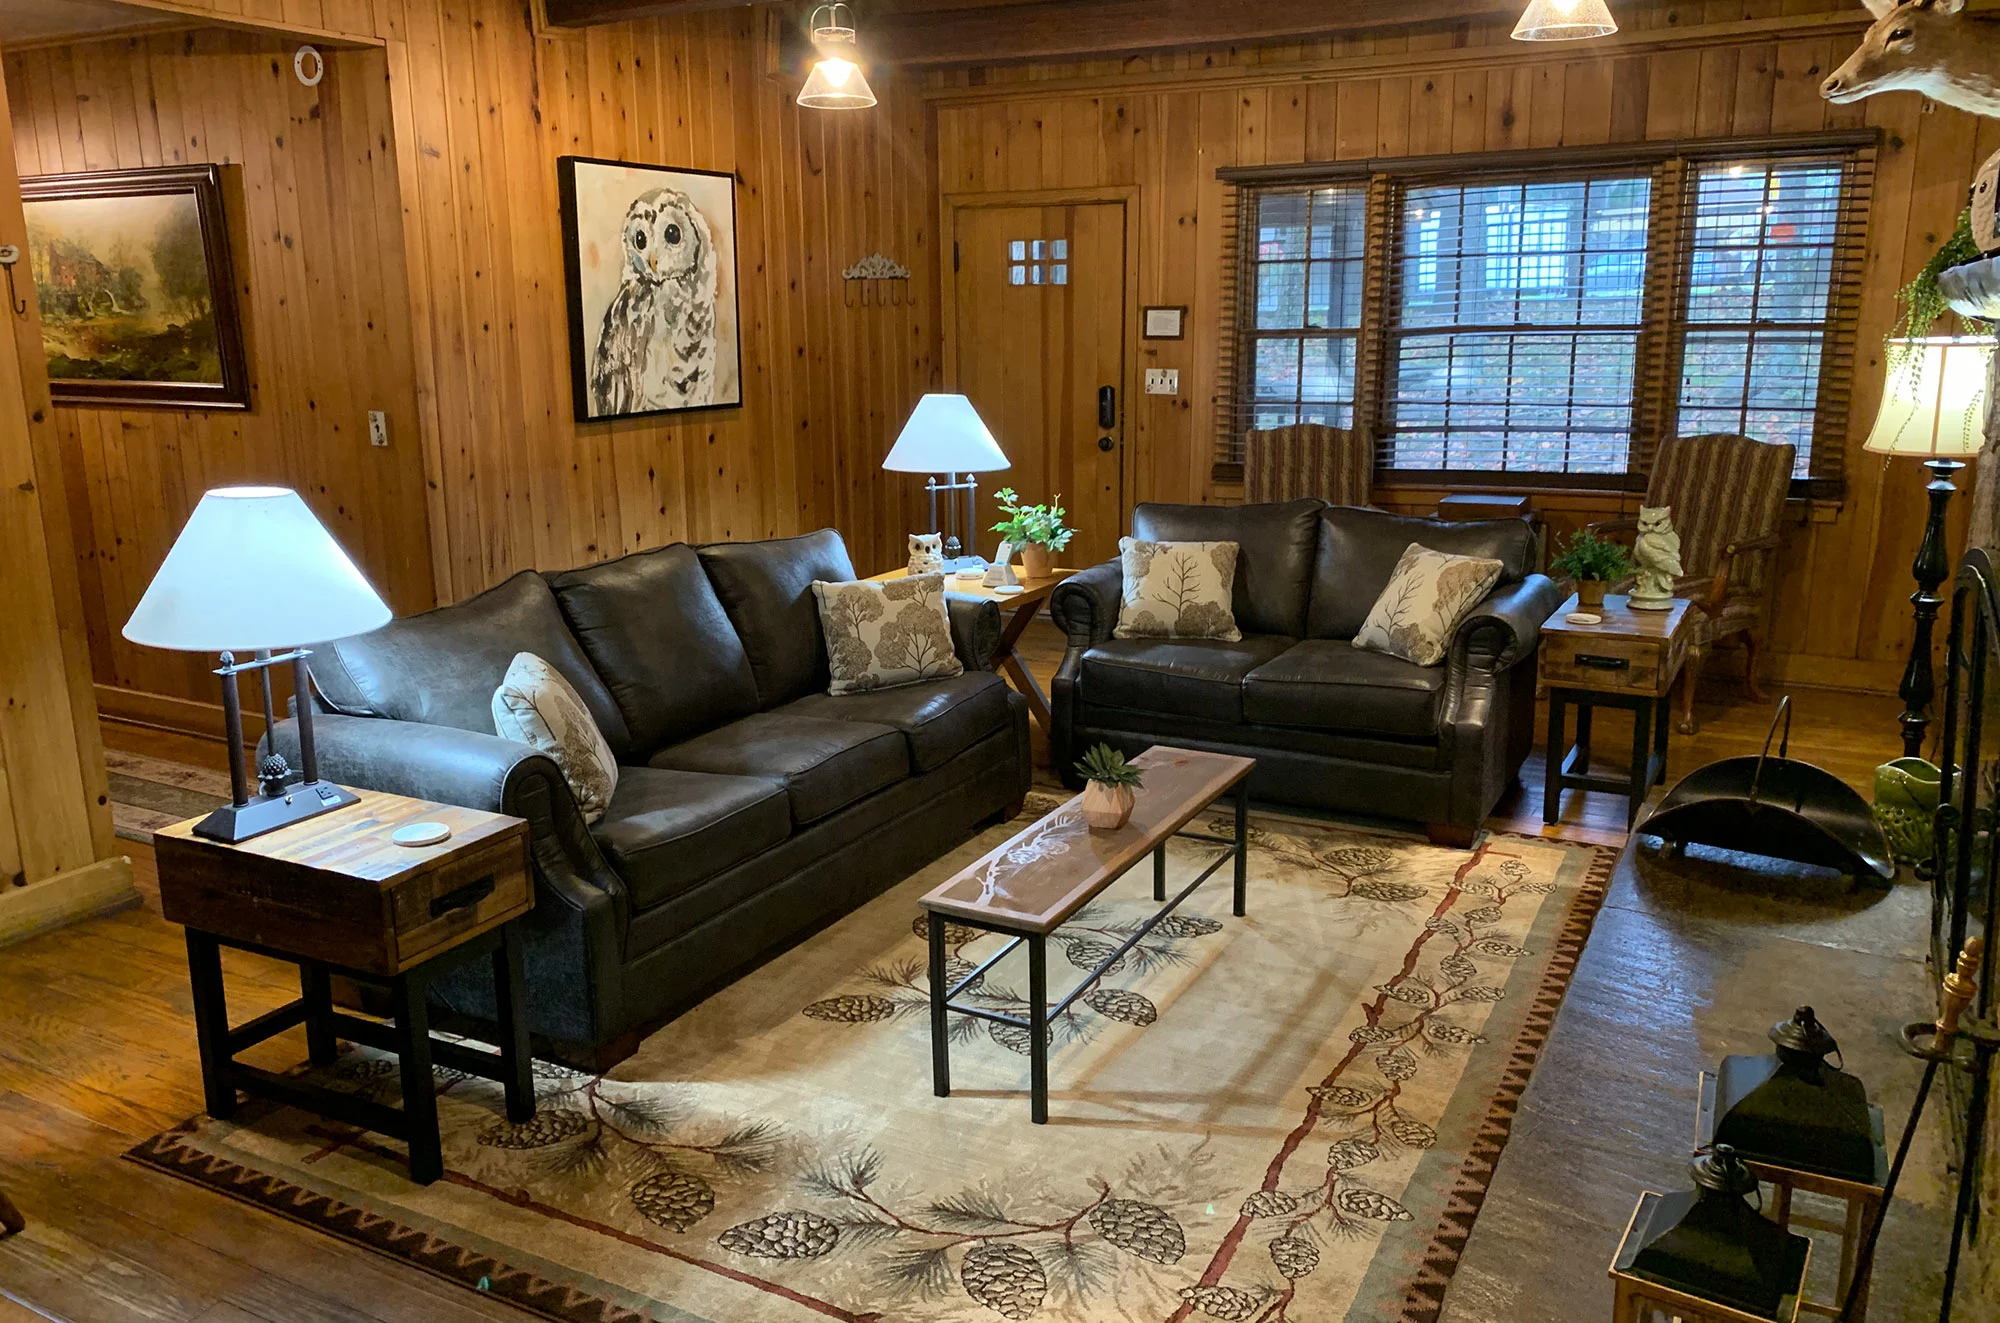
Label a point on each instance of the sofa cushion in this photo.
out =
(1275, 558)
(535, 706)
(1329, 684)
(824, 764)
(938, 718)
(766, 587)
(657, 635)
(441, 667)
(669, 831)
(1186, 677)
(1358, 551)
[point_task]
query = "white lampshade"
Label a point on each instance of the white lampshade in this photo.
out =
(1933, 399)
(836, 81)
(945, 435)
(1565, 20)
(254, 569)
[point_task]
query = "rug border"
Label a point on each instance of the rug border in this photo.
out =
(1424, 1301)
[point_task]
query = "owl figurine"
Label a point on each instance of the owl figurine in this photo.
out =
(1658, 551)
(926, 553)
(657, 347)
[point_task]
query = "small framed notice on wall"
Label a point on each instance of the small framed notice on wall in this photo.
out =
(1164, 323)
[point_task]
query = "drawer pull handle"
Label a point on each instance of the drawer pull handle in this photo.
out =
(1598, 663)
(463, 898)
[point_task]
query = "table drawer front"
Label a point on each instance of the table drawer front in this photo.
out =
(1619, 665)
(468, 893)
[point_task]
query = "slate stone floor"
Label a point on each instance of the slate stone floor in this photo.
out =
(1693, 959)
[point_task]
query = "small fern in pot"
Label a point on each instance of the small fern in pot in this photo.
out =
(1108, 783)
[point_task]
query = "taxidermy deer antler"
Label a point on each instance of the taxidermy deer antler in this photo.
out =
(1927, 46)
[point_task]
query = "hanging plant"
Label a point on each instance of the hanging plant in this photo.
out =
(1921, 301)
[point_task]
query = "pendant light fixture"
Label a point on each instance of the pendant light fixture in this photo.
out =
(836, 81)
(1565, 20)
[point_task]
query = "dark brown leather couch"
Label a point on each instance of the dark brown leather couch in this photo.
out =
(1331, 726)
(751, 806)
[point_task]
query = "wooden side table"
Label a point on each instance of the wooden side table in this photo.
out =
(334, 895)
(1020, 610)
(1629, 661)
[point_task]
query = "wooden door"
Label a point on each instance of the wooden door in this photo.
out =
(1039, 336)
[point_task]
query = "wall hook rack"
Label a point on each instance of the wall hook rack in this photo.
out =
(866, 275)
(9, 255)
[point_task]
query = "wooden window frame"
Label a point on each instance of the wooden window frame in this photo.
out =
(1669, 257)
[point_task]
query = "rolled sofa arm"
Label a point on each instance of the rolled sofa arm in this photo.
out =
(1507, 626)
(443, 763)
(1085, 605)
(975, 629)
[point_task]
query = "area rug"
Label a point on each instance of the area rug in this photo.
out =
(1290, 1117)
(150, 793)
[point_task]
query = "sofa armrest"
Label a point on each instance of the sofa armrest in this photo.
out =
(975, 629)
(1085, 605)
(1507, 626)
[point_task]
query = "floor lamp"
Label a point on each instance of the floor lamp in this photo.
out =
(1933, 409)
(946, 435)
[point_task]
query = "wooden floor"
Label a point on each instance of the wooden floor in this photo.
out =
(97, 1052)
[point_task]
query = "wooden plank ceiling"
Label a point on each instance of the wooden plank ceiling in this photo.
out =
(936, 33)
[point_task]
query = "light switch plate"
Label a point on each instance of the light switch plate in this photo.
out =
(378, 428)
(1163, 381)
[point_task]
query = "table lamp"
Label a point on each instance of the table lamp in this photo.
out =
(945, 435)
(1934, 409)
(254, 572)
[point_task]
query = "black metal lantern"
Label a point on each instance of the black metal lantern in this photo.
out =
(1711, 1244)
(1794, 1109)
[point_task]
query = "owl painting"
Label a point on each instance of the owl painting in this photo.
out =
(651, 253)
(1658, 551)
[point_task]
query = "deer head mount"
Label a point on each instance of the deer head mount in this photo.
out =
(1927, 46)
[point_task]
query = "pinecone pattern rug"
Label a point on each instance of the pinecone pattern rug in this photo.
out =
(1287, 1118)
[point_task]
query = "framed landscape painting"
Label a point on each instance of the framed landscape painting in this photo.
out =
(138, 300)
(650, 256)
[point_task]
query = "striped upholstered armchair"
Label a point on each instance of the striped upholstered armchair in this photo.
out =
(1728, 494)
(1336, 464)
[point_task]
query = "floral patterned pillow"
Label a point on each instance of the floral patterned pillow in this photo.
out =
(1177, 590)
(1427, 596)
(535, 706)
(880, 635)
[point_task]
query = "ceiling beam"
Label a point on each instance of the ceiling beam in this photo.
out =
(588, 13)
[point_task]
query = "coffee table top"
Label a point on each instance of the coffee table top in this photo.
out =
(1040, 877)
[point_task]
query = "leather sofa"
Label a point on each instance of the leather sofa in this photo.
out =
(1332, 727)
(751, 806)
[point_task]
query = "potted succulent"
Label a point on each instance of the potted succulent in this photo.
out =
(1593, 562)
(1036, 531)
(1108, 783)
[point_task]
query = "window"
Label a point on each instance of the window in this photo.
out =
(1552, 322)
(1305, 272)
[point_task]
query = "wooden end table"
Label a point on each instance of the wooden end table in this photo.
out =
(1028, 887)
(1629, 661)
(334, 895)
(1020, 610)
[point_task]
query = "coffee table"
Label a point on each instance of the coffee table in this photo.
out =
(1031, 885)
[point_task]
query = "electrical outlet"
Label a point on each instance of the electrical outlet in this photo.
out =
(378, 428)
(1163, 381)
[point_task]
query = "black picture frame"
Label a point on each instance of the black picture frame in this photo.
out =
(1178, 311)
(204, 183)
(589, 405)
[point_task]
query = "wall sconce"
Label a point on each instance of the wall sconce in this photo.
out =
(836, 81)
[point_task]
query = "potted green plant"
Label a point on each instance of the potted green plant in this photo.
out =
(1108, 783)
(1036, 531)
(1593, 562)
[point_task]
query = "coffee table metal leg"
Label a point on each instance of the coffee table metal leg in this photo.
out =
(1160, 871)
(510, 983)
(211, 1023)
(1038, 1030)
(940, 1028)
(413, 1047)
(1242, 846)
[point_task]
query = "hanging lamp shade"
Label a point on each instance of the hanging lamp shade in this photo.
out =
(836, 81)
(1565, 20)
(1933, 398)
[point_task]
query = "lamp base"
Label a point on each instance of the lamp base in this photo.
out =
(235, 823)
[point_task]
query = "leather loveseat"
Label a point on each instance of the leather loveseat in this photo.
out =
(751, 805)
(1331, 726)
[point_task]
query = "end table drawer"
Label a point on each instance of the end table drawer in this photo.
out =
(468, 892)
(1619, 665)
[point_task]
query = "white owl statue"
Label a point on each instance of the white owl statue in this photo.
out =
(1658, 551)
(926, 553)
(657, 347)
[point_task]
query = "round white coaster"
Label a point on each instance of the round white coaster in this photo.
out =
(1584, 618)
(421, 833)
(1008, 590)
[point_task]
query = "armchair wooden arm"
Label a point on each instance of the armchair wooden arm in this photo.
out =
(1718, 586)
(1603, 526)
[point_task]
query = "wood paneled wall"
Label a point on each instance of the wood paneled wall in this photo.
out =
(1728, 67)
